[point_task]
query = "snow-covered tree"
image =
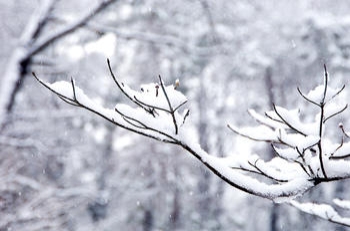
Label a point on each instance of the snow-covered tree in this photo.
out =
(304, 155)
(217, 49)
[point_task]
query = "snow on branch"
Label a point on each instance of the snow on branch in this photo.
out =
(325, 211)
(303, 143)
(304, 157)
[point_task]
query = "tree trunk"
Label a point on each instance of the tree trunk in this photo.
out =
(269, 85)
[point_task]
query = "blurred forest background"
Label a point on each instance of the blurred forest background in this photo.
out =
(62, 168)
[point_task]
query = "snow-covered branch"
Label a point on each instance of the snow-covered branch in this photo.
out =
(304, 157)
(296, 168)
(325, 211)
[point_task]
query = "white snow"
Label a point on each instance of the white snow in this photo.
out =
(265, 120)
(298, 141)
(276, 192)
(344, 150)
(259, 133)
(324, 211)
(153, 94)
(345, 204)
(333, 108)
(291, 117)
(337, 168)
(66, 89)
(289, 179)
(287, 153)
(316, 95)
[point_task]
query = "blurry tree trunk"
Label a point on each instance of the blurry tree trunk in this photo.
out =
(147, 222)
(269, 85)
(20, 59)
(207, 205)
(98, 207)
(340, 193)
(30, 43)
(176, 208)
(105, 165)
(219, 192)
(204, 182)
(175, 213)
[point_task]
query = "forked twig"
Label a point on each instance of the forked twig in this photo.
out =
(121, 88)
(112, 120)
(172, 112)
(264, 173)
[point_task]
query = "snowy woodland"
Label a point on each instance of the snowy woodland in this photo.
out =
(174, 115)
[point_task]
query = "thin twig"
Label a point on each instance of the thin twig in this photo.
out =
(341, 126)
(325, 84)
(273, 119)
(74, 93)
(186, 115)
(301, 155)
(70, 102)
(172, 141)
(151, 106)
(337, 93)
(339, 157)
(336, 113)
(128, 118)
(249, 137)
(322, 104)
(257, 117)
(306, 98)
(180, 105)
(285, 122)
(169, 104)
(121, 88)
(264, 173)
(144, 126)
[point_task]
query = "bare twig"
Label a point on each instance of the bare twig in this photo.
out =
(286, 122)
(186, 115)
(264, 173)
(336, 113)
(151, 106)
(172, 112)
(246, 136)
(102, 115)
(325, 84)
(337, 93)
(273, 119)
(301, 155)
(341, 126)
(322, 104)
(121, 88)
(339, 157)
(306, 98)
(129, 119)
